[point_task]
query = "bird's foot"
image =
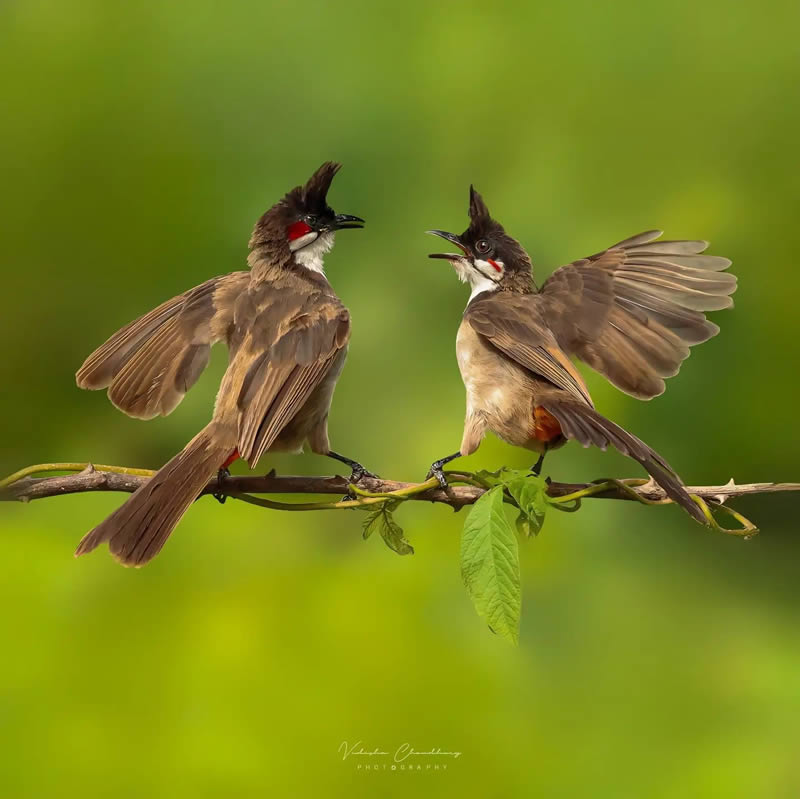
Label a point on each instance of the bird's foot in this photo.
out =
(359, 472)
(436, 471)
(222, 475)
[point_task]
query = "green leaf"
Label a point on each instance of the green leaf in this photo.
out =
(382, 519)
(524, 526)
(500, 477)
(490, 565)
(530, 494)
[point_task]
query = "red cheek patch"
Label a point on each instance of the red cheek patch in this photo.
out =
(297, 229)
(495, 265)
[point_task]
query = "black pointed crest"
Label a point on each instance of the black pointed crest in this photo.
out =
(315, 191)
(478, 212)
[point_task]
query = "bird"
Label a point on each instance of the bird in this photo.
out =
(631, 312)
(287, 334)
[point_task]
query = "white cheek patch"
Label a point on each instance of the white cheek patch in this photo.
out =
(299, 243)
(312, 255)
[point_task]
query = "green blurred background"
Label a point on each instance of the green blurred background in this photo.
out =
(139, 143)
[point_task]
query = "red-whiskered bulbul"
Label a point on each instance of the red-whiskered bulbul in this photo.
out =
(631, 312)
(287, 334)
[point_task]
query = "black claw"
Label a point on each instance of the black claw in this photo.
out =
(220, 494)
(357, 470)
(356, 476)
(436, 469)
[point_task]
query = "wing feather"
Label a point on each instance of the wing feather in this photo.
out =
(512, 324)
(632, 311)
(282, 378)
(150, 364)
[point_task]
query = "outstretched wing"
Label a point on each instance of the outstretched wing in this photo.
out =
(287, 354)
(151, 363)
(632, 311)
(514, 324)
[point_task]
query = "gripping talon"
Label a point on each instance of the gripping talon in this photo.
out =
(436, 469)
(220, 494)
(356, 476)
(439, 475)
(359, 472)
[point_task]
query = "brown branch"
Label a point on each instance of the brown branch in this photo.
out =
(30, 488)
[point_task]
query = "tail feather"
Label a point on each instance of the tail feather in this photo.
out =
(137, 530)
(585, 425)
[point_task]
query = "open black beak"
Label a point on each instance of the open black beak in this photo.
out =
(451, 237)
(346, 221)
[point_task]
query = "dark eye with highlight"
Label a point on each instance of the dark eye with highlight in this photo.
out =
(482, 246)
(310, 219)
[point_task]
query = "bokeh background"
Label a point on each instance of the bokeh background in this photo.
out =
(139, 143)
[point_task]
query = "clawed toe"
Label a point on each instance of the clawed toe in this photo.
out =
(219, 494)
(436, 471)
(359, 472)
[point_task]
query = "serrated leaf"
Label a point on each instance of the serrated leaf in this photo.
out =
(490, 565)
(530, 494)
(372, 522)
(393, 536)
(382, 519)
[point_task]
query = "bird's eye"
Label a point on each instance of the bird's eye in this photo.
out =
(310, 219)
(482, 246)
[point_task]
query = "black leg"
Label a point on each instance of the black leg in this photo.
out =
(436, 468)
(358, 471)
(536, 469)
(220, 494)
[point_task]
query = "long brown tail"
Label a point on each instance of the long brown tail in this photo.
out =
(586, 425)
(137, 530)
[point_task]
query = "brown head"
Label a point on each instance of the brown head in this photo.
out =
(490, 259)
(301, 227)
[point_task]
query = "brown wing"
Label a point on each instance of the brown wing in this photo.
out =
(632, 311)
(513, 323)
(151, 363)
(284, 370)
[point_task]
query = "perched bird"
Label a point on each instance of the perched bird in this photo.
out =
(631, 312)
(287, 334)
